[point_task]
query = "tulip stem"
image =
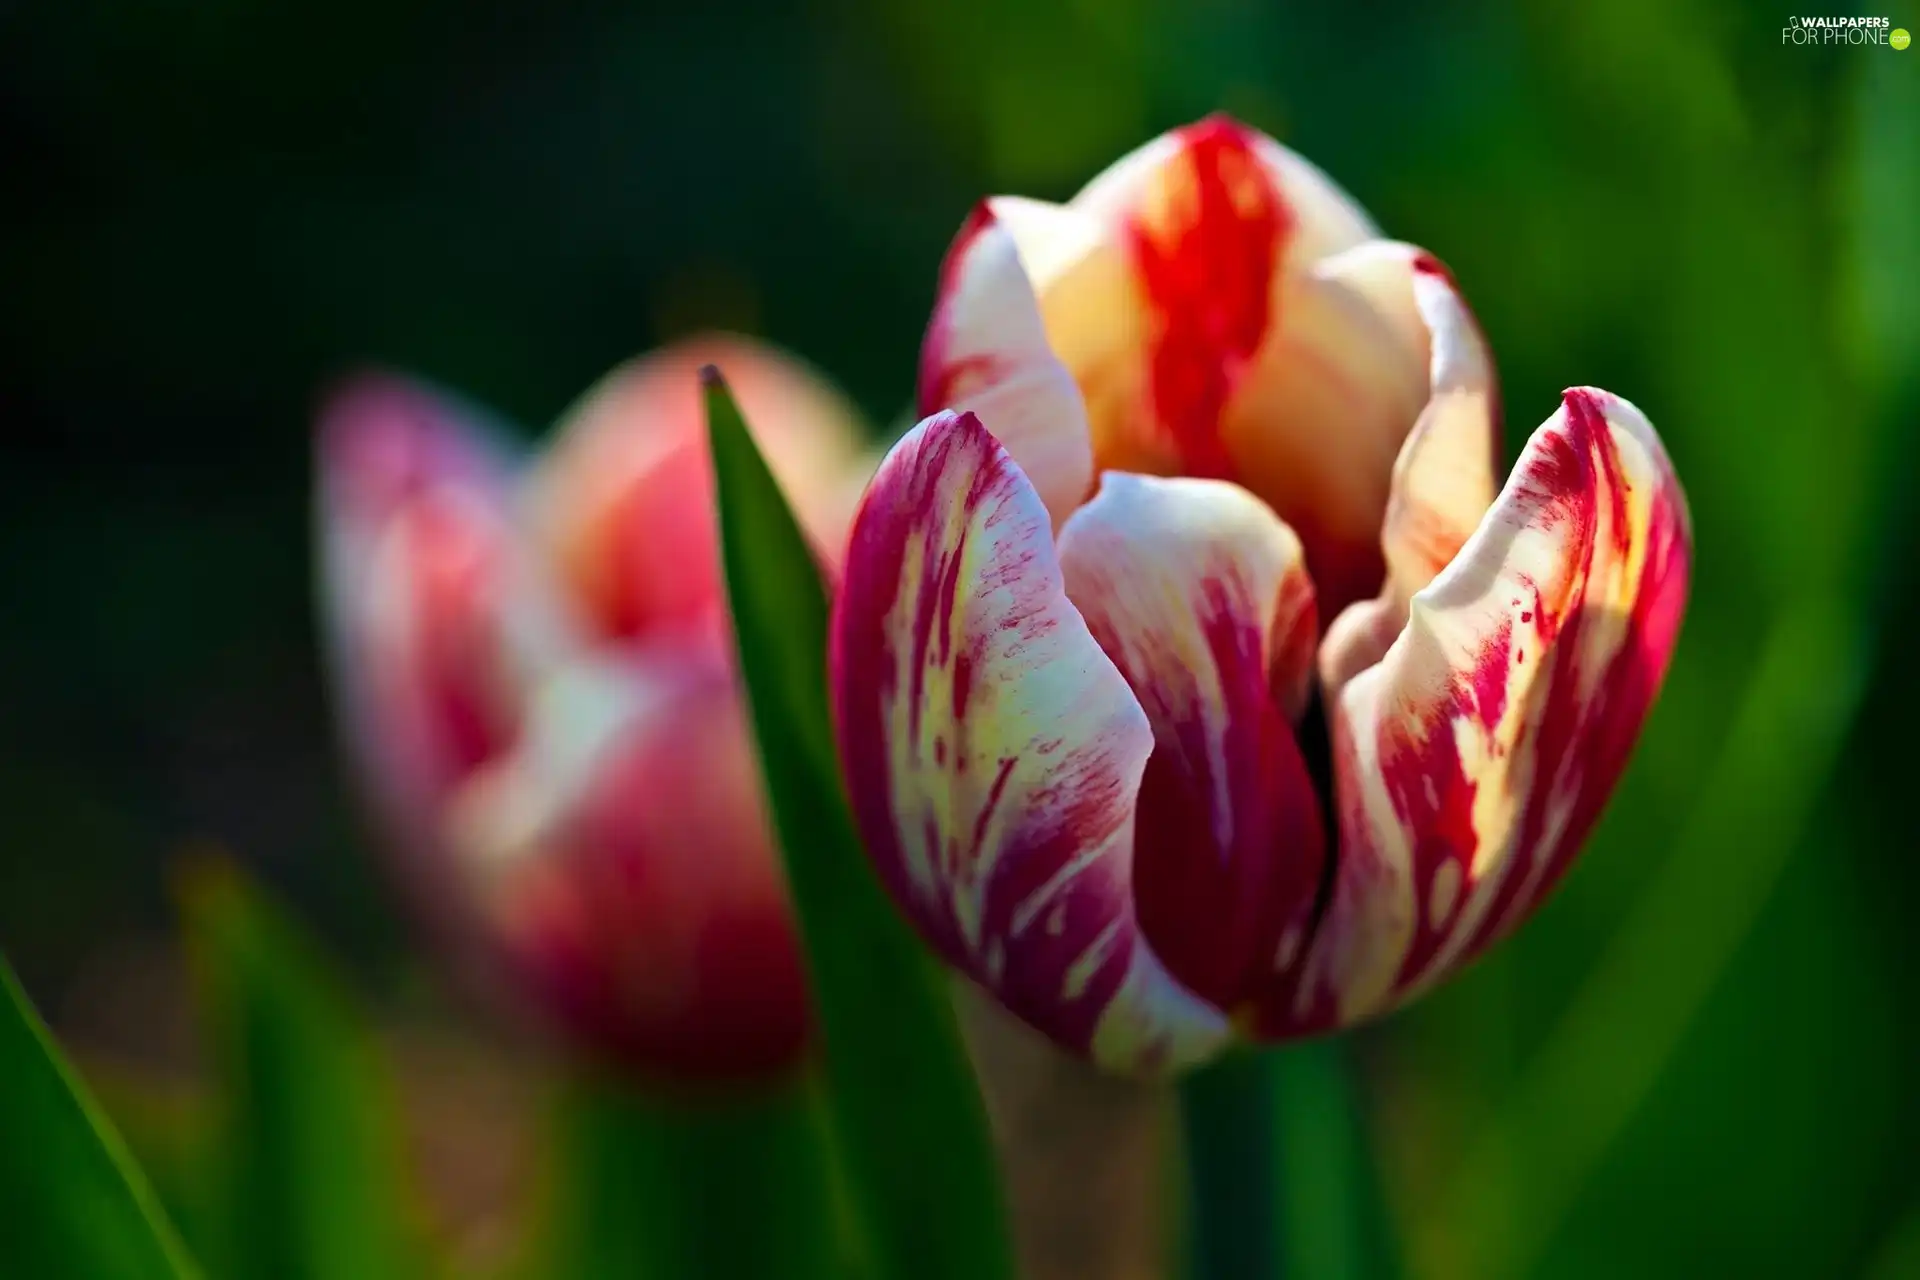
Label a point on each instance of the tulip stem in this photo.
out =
(1227, 1112)
(1334, 1223)
(1279, 1180)
(714, 1187)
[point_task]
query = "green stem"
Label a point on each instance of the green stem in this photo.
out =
(733, 1187)
(1333, 1221)
(1227, 1111)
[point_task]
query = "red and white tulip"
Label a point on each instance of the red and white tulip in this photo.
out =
(534, 667)
(1294, 711)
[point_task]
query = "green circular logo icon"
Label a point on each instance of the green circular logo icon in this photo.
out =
(1899, 38)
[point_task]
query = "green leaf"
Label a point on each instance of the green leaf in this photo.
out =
(308, 1166)
(164, 1121)
(911, 1128)
(731, 1186)
(76, 1204)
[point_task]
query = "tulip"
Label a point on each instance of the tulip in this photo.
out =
(1099, 744)
(535, 672)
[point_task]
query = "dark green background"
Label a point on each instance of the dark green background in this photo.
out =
(1699, 1059)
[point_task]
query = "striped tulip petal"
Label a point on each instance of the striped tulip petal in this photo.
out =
(431, 616)
(993, 753)
(986, 349)
(1324, 218)
(1474, 759)
(1208, 233)
(1198, 593)
(1443, 479)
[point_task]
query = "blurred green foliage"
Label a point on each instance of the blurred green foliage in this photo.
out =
(1693, 1060)
(667, 1186)
(304, 1173)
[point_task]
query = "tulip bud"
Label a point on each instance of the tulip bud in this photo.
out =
(535, 678)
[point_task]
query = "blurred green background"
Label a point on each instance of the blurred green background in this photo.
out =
(1698, 1058)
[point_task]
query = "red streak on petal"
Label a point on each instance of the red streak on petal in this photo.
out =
(994, 793)
(455, 569)
(933, 609)
(1209, 277)
(1433, 798)
(1490, 676)
(1427, 265)
(962, 684)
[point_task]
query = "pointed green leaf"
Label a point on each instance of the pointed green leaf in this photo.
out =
(911, 1128)
(76, 1205)
(308, 1167)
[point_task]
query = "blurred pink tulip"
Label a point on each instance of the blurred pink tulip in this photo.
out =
(535, 672)
(1100, 745)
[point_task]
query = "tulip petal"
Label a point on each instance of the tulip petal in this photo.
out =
(1314, 423)
(622, 850)
(1232, 356)
(1208, 233)
(1198, 593)
(1472, 762)
(622, 502)
(1325, 218)
(1443, 477)
(993, 753)
(986, 350)
(431, 621)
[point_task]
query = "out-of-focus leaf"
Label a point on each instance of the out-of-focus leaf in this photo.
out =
(1898, 1257)
(75, 1203)
(165, 1125)
(733, 1186)
(910, 1125)
(309, 1162)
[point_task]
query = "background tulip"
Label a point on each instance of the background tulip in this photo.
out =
(1100, 748)
(535, 674)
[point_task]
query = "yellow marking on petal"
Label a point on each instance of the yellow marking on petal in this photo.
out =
(1081, 971)
(918, 730)
(1445, 890)
(1289, 948)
